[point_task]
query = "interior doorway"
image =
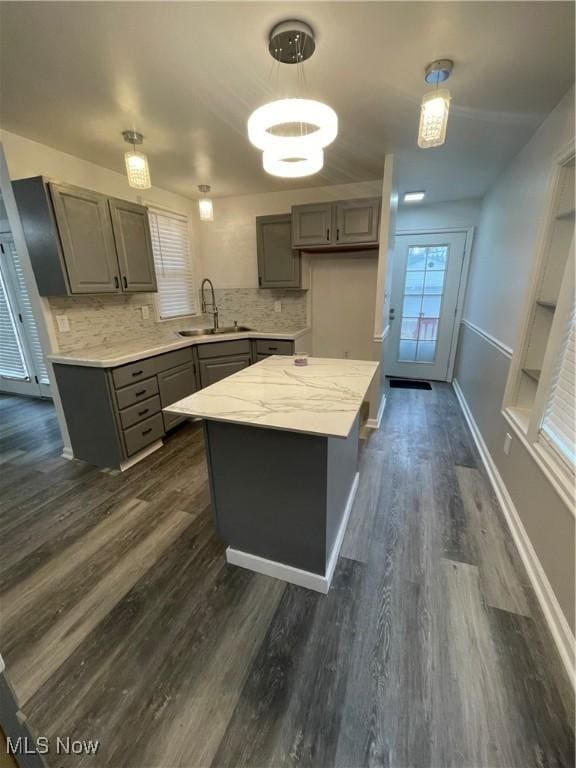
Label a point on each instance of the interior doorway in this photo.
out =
(428, 283)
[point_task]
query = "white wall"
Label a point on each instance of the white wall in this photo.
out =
(460, 214)
(509, 226)
(504, 257)
(229, 242)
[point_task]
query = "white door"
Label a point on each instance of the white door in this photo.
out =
(426, 284)
(22, 367)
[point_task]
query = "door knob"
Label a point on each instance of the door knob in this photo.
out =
(391, 313)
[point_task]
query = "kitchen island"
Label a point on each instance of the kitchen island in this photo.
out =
(282, 450)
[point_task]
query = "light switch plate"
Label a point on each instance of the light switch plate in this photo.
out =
(145, 311)
(63, 323)
(277, 306)
(507, 443)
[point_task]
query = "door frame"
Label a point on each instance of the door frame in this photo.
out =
(462, 284)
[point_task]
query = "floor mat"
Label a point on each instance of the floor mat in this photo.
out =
(410, 384)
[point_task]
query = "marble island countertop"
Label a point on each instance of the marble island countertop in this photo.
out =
(322, 398)
(112, 355)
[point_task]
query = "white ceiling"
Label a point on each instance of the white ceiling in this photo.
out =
(187, 75)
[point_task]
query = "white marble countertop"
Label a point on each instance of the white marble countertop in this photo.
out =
(322, 398)
(111, 355)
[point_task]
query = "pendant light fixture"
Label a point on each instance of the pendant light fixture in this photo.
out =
(435, 106)
(205, 207)
(293, 132)
(136, 162)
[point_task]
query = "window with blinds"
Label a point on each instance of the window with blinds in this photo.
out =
(177, 296)
(558, 428)
(12, 361)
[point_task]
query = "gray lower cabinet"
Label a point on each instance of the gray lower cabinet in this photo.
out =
(217, 368)
(342, 223)
(81, 242)
(274, 347)
(312, 225)
(87, 240)
(133, 245)
(174, 385)
(113, 414)
(279, 265)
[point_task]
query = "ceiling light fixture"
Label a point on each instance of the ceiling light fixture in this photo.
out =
(435, 106)
(292, 133)
(414, 197)
(205, 207)
(136, 162)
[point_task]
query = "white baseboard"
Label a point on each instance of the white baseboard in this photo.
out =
(67, 453)
(315, 581)
(375, 423)
(559, 627)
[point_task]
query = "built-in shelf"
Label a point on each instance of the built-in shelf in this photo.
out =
(532, 373)
(566, 215)
(547, 304)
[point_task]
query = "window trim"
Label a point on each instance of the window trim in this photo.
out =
(154, 208)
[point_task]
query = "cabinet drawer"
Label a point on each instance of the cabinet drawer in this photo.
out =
(176, 384)
(140, 411)
(274, 347)
(132, 372)
(148, 431)
(172, 359)
(224, 348)
(136, 393)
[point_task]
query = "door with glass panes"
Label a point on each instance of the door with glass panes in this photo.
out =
(426, 284)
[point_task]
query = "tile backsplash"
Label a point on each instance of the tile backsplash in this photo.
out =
(99, 320)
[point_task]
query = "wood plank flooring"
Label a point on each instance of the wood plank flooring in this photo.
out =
(122, 622)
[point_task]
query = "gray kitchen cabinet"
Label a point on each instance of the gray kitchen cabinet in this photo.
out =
(274, 347)
(87, 239)
(279, 265)
(133, 245)
(312, 225)
(175, 384)
(215, 369)
(357, 221)
(345, 223)
(82, 242)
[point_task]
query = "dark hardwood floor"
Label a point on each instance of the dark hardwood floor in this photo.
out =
(121, 621)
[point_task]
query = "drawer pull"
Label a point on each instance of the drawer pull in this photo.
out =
(140, 393)
(141, 413)
(273, 349)
(145, 432)
(137, 373)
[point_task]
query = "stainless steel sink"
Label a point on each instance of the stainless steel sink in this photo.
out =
(213, 331)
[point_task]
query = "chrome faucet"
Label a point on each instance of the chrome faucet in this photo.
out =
(214, 310)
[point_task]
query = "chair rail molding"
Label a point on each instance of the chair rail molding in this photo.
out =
(500, 346)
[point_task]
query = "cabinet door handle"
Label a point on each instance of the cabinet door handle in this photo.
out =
(273, 349)
(141, 413)
(140, 393)
(337, 234)
(137, 373)
(125, 281)
(116, 283)
(328, 234)
(146, 431)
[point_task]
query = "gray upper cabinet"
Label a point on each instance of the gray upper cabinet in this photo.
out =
(312, 225)
(278, 263)
(133, 245)
(342, 223)
(357, 221)
(84, 242)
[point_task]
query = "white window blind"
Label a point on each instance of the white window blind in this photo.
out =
(12, 362)
(173, 261)
(559, 423)
(28, 315)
